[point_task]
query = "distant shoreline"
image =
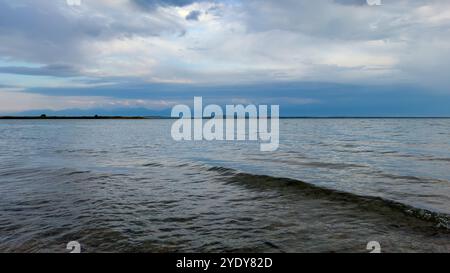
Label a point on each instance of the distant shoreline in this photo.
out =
(74, 117)
(163, 117)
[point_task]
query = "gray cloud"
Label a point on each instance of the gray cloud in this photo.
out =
(48, 70)
(352, 2)
(150, 4)
(52, 32)
(194, 15)
(321, 18)
(254, 40)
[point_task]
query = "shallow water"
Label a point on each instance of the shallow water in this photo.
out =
(126, 186)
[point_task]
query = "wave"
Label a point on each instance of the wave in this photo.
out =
(439, 220)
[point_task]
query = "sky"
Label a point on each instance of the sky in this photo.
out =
(142, 57)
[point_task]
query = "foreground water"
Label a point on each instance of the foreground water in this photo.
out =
(126, 186)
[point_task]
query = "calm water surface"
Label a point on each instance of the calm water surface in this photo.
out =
(126, 186)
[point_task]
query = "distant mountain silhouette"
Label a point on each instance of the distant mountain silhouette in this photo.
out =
(123, 112)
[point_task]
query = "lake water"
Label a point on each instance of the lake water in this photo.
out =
(126, 186)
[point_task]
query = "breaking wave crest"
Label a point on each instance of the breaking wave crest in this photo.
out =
(440, 220)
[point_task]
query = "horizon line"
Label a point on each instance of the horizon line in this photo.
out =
(45, 117)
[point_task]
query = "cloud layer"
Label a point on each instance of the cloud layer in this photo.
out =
(49, 45)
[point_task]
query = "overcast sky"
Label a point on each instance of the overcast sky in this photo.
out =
(321, 57)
